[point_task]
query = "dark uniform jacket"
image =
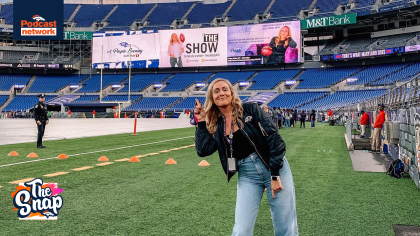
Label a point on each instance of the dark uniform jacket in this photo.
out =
(258, 129)
(40, 111)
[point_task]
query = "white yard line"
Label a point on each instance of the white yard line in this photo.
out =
(105, 150)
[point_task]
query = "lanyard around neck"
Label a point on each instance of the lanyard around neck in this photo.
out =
(229, 138)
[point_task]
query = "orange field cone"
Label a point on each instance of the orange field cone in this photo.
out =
(63, 156)
(134, 159)
(204, 163)
(32, 154)
(13, 153)
(103, 158)
(125, 115)
(170, 161)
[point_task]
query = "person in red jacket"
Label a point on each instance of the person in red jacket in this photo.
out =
(330, 114)
(364, 121)
(93, 113)
(380, 120)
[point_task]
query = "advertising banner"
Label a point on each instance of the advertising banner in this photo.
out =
(273, 43)
(329, 21)
(77, 35)
(116, 50)
(412, 48)
(38, 20)
(193, 47)
(374, 53)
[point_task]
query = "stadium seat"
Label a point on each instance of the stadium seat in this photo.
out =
(295, 99)
(142, 81)
(341, 99)
(374, 73)
(24, 102)
(242, 10)
(325, 77)
(7, 81)
(180, 81)
(205, 13)
(86, 98)
(120, 98)
(52, 83)
(94, 83)
(152, 103)
(283, 8)
(88, 14)
(165, 13)
(233, 77)
(266, 80)
(126, 14)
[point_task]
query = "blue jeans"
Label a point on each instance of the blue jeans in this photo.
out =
(312, 123)
(253, 178)
(287, 123)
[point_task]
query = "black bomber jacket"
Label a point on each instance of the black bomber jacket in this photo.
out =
(258, 129)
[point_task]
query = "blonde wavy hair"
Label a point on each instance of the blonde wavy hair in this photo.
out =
(172, 41)
(288, 36)
(212, 112)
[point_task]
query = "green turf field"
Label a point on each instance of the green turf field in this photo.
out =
(151, 198)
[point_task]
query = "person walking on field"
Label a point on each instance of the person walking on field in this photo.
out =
(248, 143)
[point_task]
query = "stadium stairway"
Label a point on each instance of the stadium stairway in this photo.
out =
(228, 9)
(188, 12)
(269, 7)
(192, 86)
(372, 82)
(176, 102)
(263, 98)
(81, 83)
(314, 100)
(28, 86)
(109, 14)
(74, 13)
(164, 82)
(148, 14)
(7, 102)
(312, 4)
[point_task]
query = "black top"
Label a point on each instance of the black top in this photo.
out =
(303, 116)
(241, 146)
(40, 111)
(279, 51)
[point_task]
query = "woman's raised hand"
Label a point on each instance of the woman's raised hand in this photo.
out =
(199, 111)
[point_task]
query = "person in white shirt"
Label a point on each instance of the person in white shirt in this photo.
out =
(175, 50)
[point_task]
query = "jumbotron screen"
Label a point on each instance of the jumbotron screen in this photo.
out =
(273, 43)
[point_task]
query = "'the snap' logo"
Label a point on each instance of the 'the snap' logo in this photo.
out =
(37, 200)
(38, 28)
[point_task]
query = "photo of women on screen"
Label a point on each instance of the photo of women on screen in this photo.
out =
(284, 48)
(175, 50)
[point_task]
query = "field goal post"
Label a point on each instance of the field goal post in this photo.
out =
(129, 84)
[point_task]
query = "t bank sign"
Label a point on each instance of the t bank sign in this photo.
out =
(329, 21)
(38, 20)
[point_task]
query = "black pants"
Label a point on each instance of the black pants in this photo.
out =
(292, 122)
(302, 122)
(41, 130)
